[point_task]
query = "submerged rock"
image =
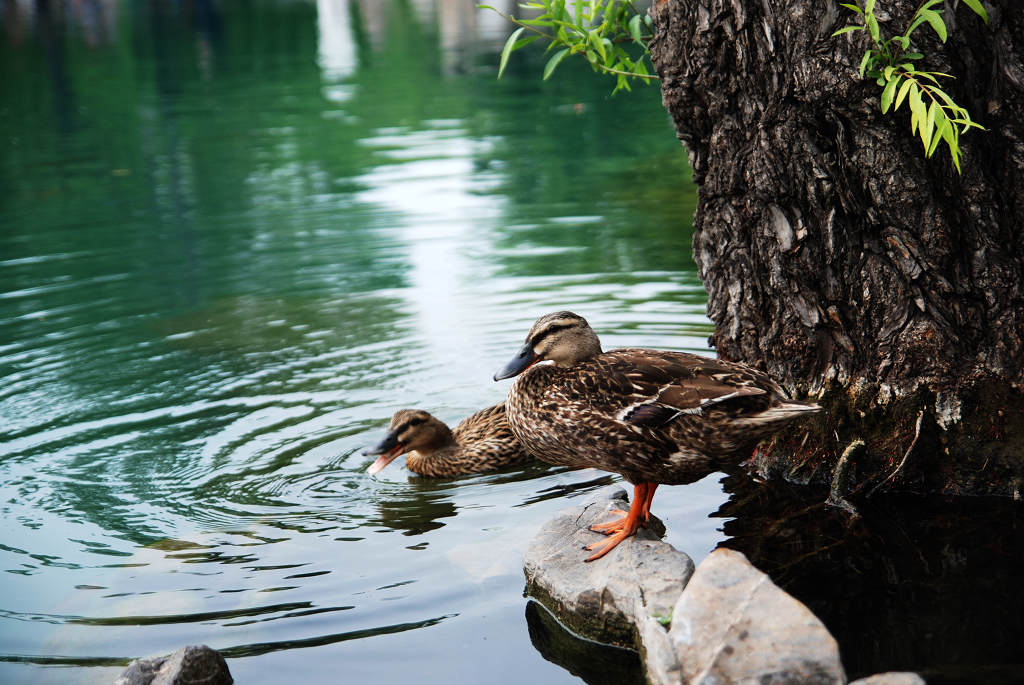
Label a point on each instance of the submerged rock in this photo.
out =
(194, 664)
(609, 599)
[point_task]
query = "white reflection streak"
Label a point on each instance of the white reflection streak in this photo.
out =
(438, 216)
(336, 47)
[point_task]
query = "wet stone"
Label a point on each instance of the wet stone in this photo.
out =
(191, 665)
(609, 599)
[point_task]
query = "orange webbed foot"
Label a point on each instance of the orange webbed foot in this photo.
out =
(602, 547)
(612, 526)
(629, 522)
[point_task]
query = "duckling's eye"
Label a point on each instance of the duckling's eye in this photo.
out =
(415, 422)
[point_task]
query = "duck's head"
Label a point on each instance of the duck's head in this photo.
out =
(563, 338)
(410, 429)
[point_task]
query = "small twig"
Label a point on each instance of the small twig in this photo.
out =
(917, 434)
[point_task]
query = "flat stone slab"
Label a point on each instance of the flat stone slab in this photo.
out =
(604, 599)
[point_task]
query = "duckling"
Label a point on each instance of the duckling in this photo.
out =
(653, 416)
(481, 442)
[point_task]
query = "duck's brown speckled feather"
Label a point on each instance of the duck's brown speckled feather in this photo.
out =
(650, 415)
(481, 442)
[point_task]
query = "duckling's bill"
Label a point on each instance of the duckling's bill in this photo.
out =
(389, 449)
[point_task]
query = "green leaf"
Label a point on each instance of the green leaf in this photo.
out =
(903, 93)
(927, 126)
(942, 95)
(918, 20)
(864, 62)
(855, 8)
(933, 18)
(978, 9)
(594, 38)
(635, 30)
(845, 29)
(916, 108)
(872, 24)
(522, 42)
(887, 72)
(912, 55)
(940, 122)
(553, 63)
(507, 50)
(887, 93)
(869, 6)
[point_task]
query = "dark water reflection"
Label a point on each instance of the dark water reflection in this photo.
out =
(594, 663)
(926, 584)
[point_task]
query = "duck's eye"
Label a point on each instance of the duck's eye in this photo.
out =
(417, 421)
(548, 331)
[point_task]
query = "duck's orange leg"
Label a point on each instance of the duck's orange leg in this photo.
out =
(621, 528)
(639, 494)
(646, 509)
(647, 490)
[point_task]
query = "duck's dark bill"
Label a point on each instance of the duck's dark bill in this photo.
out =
(522, 361)
(388, 449)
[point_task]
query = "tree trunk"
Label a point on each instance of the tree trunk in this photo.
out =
(837, 257)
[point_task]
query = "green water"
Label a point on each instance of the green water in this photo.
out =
(234, 238)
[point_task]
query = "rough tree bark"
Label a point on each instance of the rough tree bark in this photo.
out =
(841, 260)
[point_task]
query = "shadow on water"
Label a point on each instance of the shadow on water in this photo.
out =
(926, 584)
(593, 662)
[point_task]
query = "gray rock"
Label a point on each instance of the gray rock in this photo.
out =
(611, 599)
(890, 678)
(732, 624)
(191, 665)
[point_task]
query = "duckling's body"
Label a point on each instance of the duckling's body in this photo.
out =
(653, 416)
(481, 442)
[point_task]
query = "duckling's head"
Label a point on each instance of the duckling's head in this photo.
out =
(410, 429)
(563, 338)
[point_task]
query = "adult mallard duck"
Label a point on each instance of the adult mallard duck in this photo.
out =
(481, 442)
(652, 416)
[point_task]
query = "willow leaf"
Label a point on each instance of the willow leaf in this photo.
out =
(507, 50)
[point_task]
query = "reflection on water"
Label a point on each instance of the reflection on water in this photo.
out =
(593, 663)
(926, 584)
(233, 240)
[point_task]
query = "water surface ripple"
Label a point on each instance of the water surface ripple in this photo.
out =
(232, 242)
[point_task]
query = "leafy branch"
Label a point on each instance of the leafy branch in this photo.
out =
(598, 30)
(933, 114)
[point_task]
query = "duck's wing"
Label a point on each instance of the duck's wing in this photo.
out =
(650, 388)
(486, 441)
(483, 426)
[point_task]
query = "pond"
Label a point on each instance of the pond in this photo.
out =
(236, 237)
